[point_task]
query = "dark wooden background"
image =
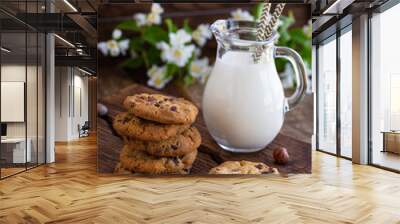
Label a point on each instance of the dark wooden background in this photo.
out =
(295, 134)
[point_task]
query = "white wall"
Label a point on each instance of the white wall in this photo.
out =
(71, 102)
(62, 81)
(15, 72)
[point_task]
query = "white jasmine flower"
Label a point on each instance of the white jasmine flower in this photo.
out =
(181, 37)
(102, 46)
(162, 45)
(200, 70)
(157, 77)
(197, 52)
(201, 34)
(116, 34)
(123, 46)
(156, 8)
(152, 71)
(240, 14)
(176, 54)
(153, 18)
(140, 19)
(113, 48)
(198, 38)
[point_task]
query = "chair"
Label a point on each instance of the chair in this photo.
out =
(84, 130)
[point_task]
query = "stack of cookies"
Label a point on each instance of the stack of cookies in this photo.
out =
(158, 134)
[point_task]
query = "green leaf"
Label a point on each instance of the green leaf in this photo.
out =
(188, 80)
(298, 36)
(186, 26)
(136, 43)
(280, 64)
(154, 34)
(284, 38)
(172, 69)
(286, 22)
(128, 25)
(153, 55)
(132, 63)
(256, 11)
(171, 26)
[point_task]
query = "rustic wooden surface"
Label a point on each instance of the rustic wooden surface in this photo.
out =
(210, 154)
(71, 191)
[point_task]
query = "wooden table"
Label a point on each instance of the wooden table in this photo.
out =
(210, 154)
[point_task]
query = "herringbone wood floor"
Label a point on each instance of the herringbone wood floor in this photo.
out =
(70, 191)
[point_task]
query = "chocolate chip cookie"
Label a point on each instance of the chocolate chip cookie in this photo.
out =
(179, 145)
(242, 167)
(141, 162)
(161, 108)
(127, 124)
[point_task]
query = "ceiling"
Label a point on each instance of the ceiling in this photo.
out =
(73, 20)
(332, 15)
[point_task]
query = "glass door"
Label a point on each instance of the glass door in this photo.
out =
(385, 90)
(326, 98)
(22, 78)
(13, 94)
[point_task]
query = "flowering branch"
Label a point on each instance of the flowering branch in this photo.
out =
(166, 54)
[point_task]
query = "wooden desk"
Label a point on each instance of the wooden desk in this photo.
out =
(391, 141)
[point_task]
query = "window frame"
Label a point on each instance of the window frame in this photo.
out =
(333, 37)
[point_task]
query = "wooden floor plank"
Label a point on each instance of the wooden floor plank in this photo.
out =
(70, 191)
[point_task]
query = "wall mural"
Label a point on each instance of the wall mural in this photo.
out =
(204, 89)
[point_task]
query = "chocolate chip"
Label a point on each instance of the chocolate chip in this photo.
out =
(175, 160)
(259, 166)
(157, 105)
(126, 119)
(174, 147)
(151, 99)
(173, 108)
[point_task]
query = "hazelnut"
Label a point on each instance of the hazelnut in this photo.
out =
(102, 110)
(281, 155)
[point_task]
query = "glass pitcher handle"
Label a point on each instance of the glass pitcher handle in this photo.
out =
(300, 74)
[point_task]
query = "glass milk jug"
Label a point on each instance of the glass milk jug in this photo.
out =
(244, 103)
